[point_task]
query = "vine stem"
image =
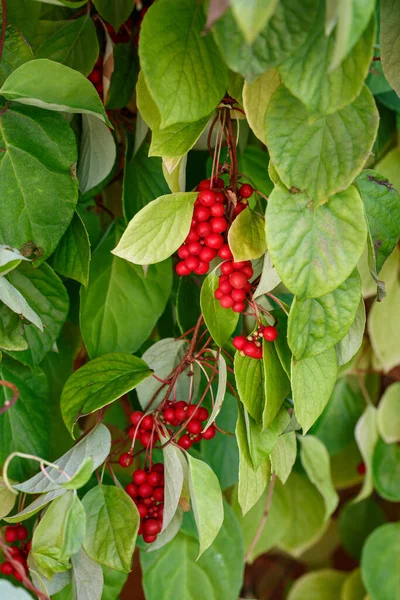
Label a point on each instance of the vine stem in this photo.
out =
(41, 461)
(263, 519)
(9, 403)
(20, 569)
(3, 26)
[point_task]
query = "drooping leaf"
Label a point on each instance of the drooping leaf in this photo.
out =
(112, 522)
(58, 582)
(379, 563)
(100, 382)
(319, 142)
(87, 577)
(116, 12)
(56, 87)
(157, 230)
(11, 331)
(277, 384)
(10, 258)
(12, 298)
(39, 189)
(7, 499)
(256, 97)
(390, 45)
(246, 236)
(348, 347)
(71, 258)
(366, 434)
(189, 78)
(174, 479)
(325, 584)
(313, 380)
(317, 324)
(253, 161)
(385, 470)
(352, 19)
(123, 77)
(252, 16)
(34, 507)
(250, 381)
(269, 278)
(121, 304)
(220, 395)
(388, 415)
(302, 241)
(169, 533)
(283, 455)
(221, 322)
(97, 153)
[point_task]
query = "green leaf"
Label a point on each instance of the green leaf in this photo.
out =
(206, 498)
(143, 179)
(112, 522)
(283, 455)
(325, 584)
(10, 258)
(252, 16)
(114, 581)
(123, 77)
(352, 19)
(175, 471)
(356, 522)
(97, 153)
(73, 44)
(379, 563)
(119, 293)
(37, 505)
(307, 518)
(11, 331)
(390, 44)
(388, 415)
(39, 155)
(386, 469)
(16, 52)
(320, 142)
(221, 322)
(348, 347)
(51, 85)
(9, 591)
(246, 236)
(24, 427)
(366, 434)
(158, 229)
(353, 587)
(313, 380)
(307, 75)
(269, 278)
(82, 475)
(87, 577)
(250, 382)
(315, 460)
(7, 499)
(281, 37)
(217, 574)
(95, 445)
(317, 324)
(169, 533)
(45, 294)
(189, 78)
(11, 297)
(100, 382)
(277, 384)
(382, 208)
(71, 258)
(59, 535)
(256, 97)
(116, 12)
(302, 240)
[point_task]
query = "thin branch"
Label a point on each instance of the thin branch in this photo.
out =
(263, 519)
(9, 403)
(3, 26)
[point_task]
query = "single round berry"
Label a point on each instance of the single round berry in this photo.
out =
(250, 350)
(132, 490)
(207, 254)
(218, 183)
(218, 294)
(225, 287)
(158, 494)
(202, 414)
(239, 342)
(139, 477)
(136, 417)
(181, 269)
(192, 262)
(6, 568)
(225, 252)
(248, 271)
(149, 539)
(205, 184)
(238, 265)
(154, 479)
(202, 268)
(226, 268)
(270, 333)
(147, 423)
(246, 190)
(169, 415)
(206, 198)
(219, 197)
(191, 410)
(194, 426)
(238, 295)
(201, 213)
(22, 533)
(239, 307)
(158, 468)
(238, 280)
(192, 236)
(150, 527)
(183, 252)
(180, 413)
(142, 510)
(10, 535)
(145, 490)
(209, 433)
(226, 301)
(217, 210)
(214, 240)
(203, 229)
(218, 224)
(258, 353)
(146, 438)
(194, 248)
(185, 442)
(125, 460)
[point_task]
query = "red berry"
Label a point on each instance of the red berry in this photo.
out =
(180, 414)
(217, 210)
(225, 252)
(6, 568)
(361, 469)
(136, 417)
(150, 527)
(158, 494)
(259, 353)
(145, 490)
(248, 271)
(146, 438)
(149, 539)
(238, 280)
(225, 287)
(10, 534)
(194, 426)
(218, 294)
(214, 240)
(125, 460)
(202, 269)
(139, 477)
(17, 576)
(207, 254)
(239, 342)
(209, 433)
(191, 409)
(239, 307)
(226, 301)
(239, 208)
(183, 252)
(15, 551)
(193, 236)
(201, 213)
(148, 501)
(132, 490)
(158, 468)
(203, 229)
(194, 248)
(95, 76)
(185, 442)
(202, 414)
(169, 415)
(142, 510)
(181, 269)
(238, 265)
(147, 422)
(270, 333)
(250, 349)
(206, 198)
(205, 184)
(22, 533)
(154, 479)
(192, 262)
(226, 268)
(246, 190)
(238, 295)
(218, 183)
(218, 224)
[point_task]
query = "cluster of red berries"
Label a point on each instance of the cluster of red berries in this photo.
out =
(96, 76)
(147, 492)
(251, 345)
(176, 413)
(234, 284)
(12, 534)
